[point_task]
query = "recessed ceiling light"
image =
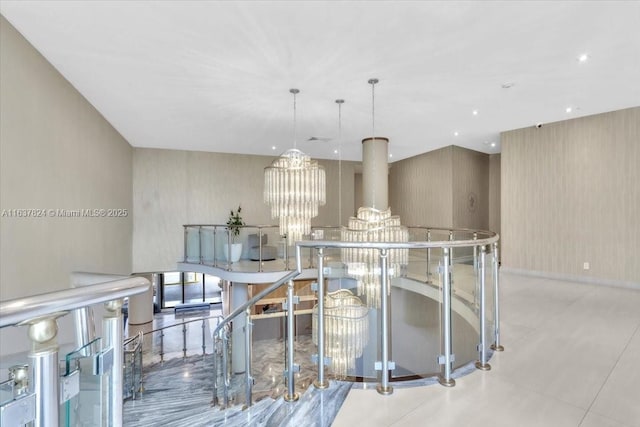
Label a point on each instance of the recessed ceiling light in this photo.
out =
(474, 112)
(493, 144)
(390, 155)
(507, 85)
(456, 133)
(568, 109)
(583, 58)
(335, 151)
(273, 147)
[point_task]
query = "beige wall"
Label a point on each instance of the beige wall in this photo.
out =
(434, 188)
(571, 194)
(470, 189)
(172, 188)
(56, 152)
(494, 193)
(421, 189)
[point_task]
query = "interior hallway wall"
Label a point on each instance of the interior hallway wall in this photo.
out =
(57, 154)
(571, 194)
(173, 188)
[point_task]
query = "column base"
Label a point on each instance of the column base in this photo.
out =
(291, 398)
(321, 385)
(497, 347)
(483, 366)
(447, 383)
(385, 391)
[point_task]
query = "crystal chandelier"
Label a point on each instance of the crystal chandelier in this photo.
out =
(346, 330)
(374, 225)
(294, 187)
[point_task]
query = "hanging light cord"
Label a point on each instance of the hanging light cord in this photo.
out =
(295, 124)
(339, 102)
(373, 82)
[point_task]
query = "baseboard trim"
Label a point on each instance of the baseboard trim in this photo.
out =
(572, 278)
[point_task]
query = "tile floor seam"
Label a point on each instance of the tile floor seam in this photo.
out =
(607, 379)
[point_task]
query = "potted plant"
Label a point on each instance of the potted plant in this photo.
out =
(233, 228)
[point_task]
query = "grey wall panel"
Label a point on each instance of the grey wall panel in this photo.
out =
(421, 187)
(570, 196)
(57, 153)
(172, 188)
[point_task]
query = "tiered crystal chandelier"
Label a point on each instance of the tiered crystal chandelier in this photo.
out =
(346, 330)
(294, 187)
(374, 225)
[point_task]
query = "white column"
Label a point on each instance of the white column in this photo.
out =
(375, 181)
(141, 305)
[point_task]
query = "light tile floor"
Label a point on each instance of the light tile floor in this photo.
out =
(572, 358)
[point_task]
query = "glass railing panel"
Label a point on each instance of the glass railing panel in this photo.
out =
(90, 406)
(207, 245)
(192, 244)
(132, 370)
(464, 310)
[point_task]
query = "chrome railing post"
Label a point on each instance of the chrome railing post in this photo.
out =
(113, 331)
(496, 300)
(321, 382)
(428, 257)
(247, 357)
(385, 364)
(482, 346)
(186, 233)
(260, 249)
(475, 254)
(291, 395)
(200, 257)
(228, 249)
(44, 370)
(214, 262)
(451, 249)
(447, 358)
(286, 252)
(225, 368)
(214, 400)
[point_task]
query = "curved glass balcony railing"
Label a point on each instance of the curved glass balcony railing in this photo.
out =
(437, 312)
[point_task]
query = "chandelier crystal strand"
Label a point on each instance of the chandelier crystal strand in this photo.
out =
(347, 327)
(340, 102)
(295, 185)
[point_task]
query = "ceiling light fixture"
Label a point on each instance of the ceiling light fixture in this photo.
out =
(568, 109)
(583, 58)
(456, 133)
(374, 222)
(493, 144)
(294, 187)
(474, 112)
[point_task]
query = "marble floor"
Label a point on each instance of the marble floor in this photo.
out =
(571, 359)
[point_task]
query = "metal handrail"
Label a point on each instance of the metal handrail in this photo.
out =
(18, 310)
(398, 245)
(243, 309)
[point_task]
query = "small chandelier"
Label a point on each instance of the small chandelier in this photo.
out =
(294, 187)
(347, 330)
(374, 225)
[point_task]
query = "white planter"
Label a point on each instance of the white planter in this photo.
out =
(236, 252)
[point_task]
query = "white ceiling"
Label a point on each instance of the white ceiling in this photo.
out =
(215, 76)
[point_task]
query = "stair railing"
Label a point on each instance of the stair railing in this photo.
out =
(40, 313)
(218, 334)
